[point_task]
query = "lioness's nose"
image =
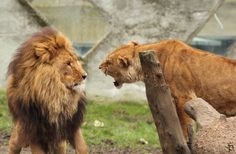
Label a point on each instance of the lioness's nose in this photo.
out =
(102, 65)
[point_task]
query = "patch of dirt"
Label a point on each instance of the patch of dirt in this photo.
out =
(106, 147)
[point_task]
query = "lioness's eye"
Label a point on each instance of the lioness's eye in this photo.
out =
(108, 62)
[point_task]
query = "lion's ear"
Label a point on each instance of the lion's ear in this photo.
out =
(42, 53)
(133, 43)
(124, 61)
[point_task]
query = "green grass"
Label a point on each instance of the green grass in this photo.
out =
(124, 123)
(5, 120)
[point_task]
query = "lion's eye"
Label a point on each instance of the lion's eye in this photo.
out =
(68, 63)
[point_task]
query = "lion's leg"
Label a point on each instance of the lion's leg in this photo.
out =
(16, 140)
(61, 148)
(36, 149)
(79, 143)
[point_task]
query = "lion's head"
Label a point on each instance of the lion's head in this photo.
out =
(123, 65)
(51, 50)
(45, 70)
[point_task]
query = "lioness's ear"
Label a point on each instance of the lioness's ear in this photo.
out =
(133, 43)
(124, 61)
(42, 53)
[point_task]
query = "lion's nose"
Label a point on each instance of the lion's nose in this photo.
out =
(84, 76)
(100, 67)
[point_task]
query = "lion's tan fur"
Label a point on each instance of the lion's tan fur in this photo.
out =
(188, 71)
(38, 88)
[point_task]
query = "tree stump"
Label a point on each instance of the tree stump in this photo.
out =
(161, 105)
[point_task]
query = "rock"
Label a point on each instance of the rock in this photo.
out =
(216, 133)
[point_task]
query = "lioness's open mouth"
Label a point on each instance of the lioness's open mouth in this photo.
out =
(117, 84)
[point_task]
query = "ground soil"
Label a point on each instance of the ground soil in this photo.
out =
(105, 147)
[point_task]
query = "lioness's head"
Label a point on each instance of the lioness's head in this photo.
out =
(123, 65)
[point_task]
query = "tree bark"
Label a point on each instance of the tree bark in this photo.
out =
(161, 105)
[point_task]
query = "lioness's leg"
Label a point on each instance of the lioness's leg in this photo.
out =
(36, 149)
(185, 120)
(16, 141)
(78, 142)
(61, 148)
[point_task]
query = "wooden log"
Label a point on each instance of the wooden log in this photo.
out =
(161, 105)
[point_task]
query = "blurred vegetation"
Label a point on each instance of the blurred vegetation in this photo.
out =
(5, 119)
(124, 123)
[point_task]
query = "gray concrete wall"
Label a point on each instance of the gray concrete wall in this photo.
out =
(144, 21)
(227, 15)
(140, 20)
(80, 20)
(16, 24)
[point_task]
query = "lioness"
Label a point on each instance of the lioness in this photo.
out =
(188, 71)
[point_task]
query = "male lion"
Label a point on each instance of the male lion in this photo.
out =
(44, 98)
(188, 72)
